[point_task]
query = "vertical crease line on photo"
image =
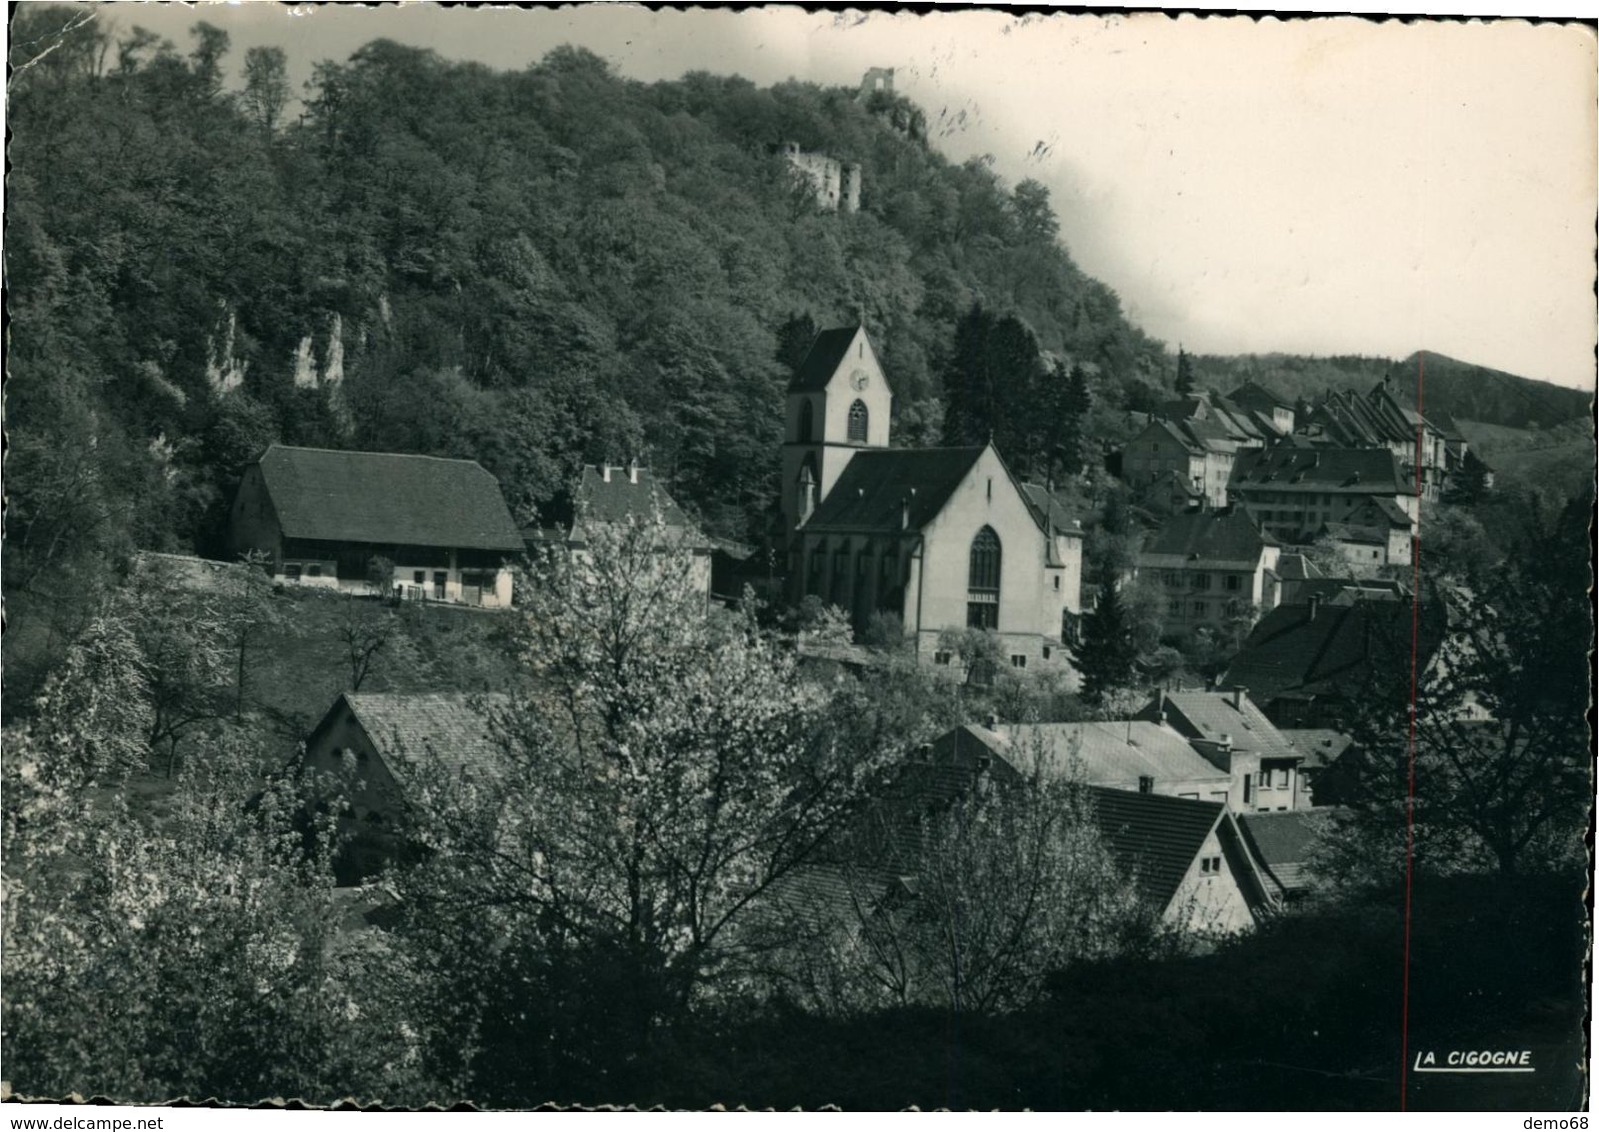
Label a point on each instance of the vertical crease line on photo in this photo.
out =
(1410, 747)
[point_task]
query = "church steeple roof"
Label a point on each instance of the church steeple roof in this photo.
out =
(823, 359)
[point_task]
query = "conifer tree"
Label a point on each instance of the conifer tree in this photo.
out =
(1106, 653)
(1185, 374)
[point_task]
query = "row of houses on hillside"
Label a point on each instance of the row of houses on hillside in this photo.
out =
(1349, 471)
(1198, 796)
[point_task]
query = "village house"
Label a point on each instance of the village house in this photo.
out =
(1187, 857)
(1308, 663)
(373, 745)
(1213, 566)
(1233, 734)
(1379, 420)
(1281, 845)
(942, 538)
(1324, 779)
(1264, 405)
(614, 496)
(1198, 452)
(438, 528)
(1294, 491)
(1136, 755)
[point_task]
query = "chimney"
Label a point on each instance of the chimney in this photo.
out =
(1146, 784)
(992, 721)
(1239, 692)
(605, 472)
(1315, 605)
(1225, 743)
(632, 470)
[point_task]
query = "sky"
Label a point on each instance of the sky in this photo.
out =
(1329, 185)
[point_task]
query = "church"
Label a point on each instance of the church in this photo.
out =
(943, 538)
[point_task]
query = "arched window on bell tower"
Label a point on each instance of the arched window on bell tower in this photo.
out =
(807, 422)
(982, 581)
(857, 422)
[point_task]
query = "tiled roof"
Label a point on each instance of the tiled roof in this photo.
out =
(1208, 536)
(1047, 508)
(1210, 715)
(621, 499)
(1296, 567)
(387, 498)
(1351, 532)
(1281, 842)
(1389, 510)
(1321, 745)
(1363, 471)
(1326, 650)
(1115, 754)
(826, 897)
(1256, 396)
(1153, 837)
(410, 728)
(1445, 425)
(877, 481)
(822, 360)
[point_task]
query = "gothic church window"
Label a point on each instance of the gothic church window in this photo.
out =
(857, 423)
(982, 581)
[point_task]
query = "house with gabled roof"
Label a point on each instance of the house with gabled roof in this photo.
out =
(1188, 859)
(943, 538)
(1200, 451)
(611, 496)
(1308, 664)
(1281, 845)
(1255, 397)
(1294, 490)
(325, 517)
(1380, 420)
(1186, 856)
(1231, 732)
(1213, 567)
(1137, 755)
(373, 745)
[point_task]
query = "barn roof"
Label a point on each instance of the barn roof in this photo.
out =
(410, 728)
(387, 498)
(877, 483)
(1154, 837)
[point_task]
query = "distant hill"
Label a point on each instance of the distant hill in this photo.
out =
(1559, 459)
(1465, 391)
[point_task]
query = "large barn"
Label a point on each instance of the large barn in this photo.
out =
(439, 528)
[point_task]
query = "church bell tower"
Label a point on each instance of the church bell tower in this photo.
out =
(838, 403)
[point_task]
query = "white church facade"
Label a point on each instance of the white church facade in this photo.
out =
(944, 538)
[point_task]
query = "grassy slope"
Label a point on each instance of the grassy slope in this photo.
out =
(301, 668)
(1560, 458)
